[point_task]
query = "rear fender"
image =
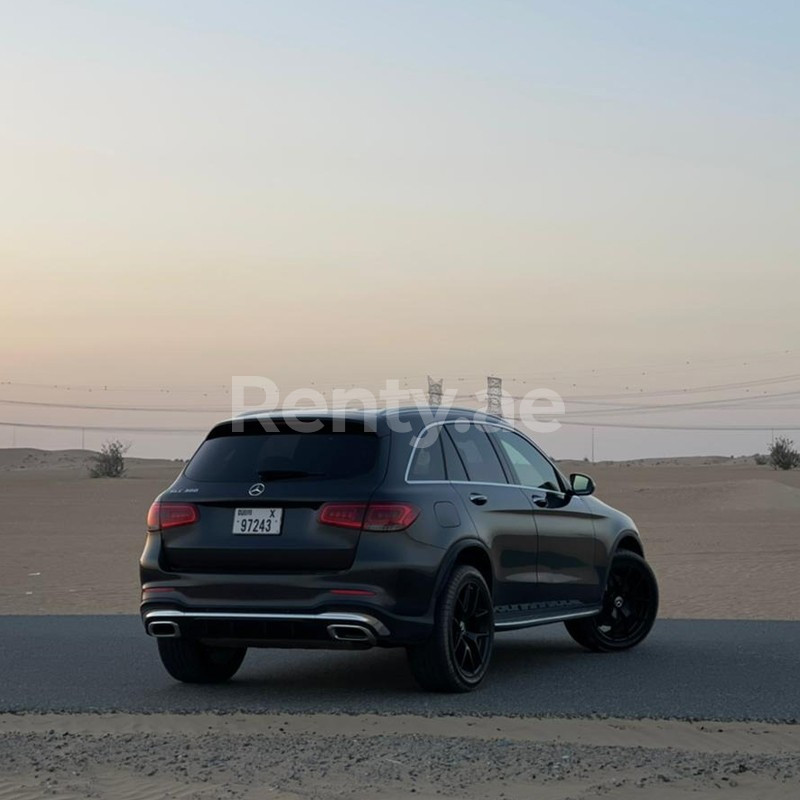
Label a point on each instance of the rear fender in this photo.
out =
(449, 561)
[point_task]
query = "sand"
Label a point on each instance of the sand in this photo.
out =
(722, 535)
(363, 757)
(71, 543)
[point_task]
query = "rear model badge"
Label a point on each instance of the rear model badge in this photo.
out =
(256, 489)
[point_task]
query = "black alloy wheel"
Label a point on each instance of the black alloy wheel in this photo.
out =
(630, 606)
(471, 628)
(456, 656)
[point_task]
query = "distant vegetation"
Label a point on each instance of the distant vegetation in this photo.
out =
(110, 461)
(782, 454)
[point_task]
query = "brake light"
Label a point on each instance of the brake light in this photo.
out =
(369, 516)
(389, 516)
(343, 515)
(171, 515)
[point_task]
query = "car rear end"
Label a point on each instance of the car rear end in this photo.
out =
(282, 532)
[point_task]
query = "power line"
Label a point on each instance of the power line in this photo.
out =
(177, 388)
(567, 422)
(696, 405)
(106, 428)
(96, 407)
(593, 399)
(688, 365)
(662, 427)
(707, 389)
(435, 395)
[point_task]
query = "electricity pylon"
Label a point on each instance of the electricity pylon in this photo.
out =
(494, 395)
(434, 391)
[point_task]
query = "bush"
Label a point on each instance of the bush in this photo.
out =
(761, 459)
(110, 461)
(782, 454)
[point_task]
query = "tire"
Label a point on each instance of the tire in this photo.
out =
(630, 606)
(456, 656)
(192, 662)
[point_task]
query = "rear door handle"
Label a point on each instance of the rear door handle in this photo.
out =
(478, 499)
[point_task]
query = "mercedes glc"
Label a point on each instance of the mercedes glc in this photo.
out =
(427, 529)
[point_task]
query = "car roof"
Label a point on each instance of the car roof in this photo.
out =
(374, 417)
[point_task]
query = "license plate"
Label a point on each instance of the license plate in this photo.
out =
(257, 521)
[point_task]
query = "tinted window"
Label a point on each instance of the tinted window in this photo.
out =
(428, 463)
(452, 461)
(529, 466)
(289, 455)
(478, 455)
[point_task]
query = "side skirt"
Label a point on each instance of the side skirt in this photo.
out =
(518, 622)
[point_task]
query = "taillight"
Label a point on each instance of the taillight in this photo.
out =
(389, 516)
(171, 515)
(343, 515)
(369, 516)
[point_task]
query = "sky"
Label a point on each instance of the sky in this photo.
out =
(353, 191)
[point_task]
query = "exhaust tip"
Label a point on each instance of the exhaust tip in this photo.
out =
(351, 634)
(164, 629)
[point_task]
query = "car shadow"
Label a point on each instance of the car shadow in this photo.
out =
(320, 680)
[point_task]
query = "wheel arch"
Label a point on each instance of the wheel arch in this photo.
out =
(627, 540)
(630, 541)
(471, 552)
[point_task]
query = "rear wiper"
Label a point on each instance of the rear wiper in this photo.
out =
(285, 474)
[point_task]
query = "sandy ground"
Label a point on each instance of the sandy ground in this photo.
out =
(723, 535)
(364, 757)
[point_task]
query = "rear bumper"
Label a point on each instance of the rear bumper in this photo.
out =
(389, 590)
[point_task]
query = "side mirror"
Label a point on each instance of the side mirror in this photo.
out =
(581, 484)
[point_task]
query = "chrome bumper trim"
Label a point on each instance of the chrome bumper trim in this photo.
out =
(328, 617)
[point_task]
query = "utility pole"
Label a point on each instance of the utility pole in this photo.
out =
(494, 395)
(434, 391)
(592, 445)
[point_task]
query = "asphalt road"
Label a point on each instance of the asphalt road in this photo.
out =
(699, 669)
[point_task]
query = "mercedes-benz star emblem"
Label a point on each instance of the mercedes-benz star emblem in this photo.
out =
(256, 489)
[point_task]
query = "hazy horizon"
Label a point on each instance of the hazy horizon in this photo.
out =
(601, 199)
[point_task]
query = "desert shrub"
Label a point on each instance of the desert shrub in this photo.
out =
(761, 459)
(110, 461)
(782, 454)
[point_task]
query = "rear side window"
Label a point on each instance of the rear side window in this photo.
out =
(477, 454)
(288, 455)
(428, 462)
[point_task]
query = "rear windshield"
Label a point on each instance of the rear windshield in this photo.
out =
(284, 456)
